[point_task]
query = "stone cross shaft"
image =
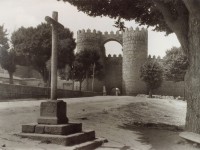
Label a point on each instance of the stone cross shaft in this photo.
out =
(55, 26)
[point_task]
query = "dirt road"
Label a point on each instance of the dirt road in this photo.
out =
(127, 122)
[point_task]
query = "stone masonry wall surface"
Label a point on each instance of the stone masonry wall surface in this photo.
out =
(134, 55)
(113, 76)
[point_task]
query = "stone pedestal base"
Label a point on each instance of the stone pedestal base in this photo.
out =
(53, 127)
(53, 112)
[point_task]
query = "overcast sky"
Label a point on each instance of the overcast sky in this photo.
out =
(17, 13)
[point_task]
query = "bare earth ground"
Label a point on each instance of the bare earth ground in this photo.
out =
(134, 123)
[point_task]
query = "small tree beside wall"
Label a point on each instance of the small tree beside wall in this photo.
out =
(152, 74)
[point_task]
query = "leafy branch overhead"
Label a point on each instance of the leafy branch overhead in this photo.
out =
(145, 12)
(119, 24)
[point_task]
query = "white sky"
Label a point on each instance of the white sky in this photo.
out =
(17, 13)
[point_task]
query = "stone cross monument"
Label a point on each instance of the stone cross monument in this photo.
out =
(53, 111)
(53, 123)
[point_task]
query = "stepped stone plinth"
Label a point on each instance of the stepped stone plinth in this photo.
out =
(53, 127)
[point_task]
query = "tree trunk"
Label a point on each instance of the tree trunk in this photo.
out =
(87, 81)
(80, 85)
(72, 84)
(11, 78)
(150, 93)
(93, 70)
(192, 77)
(49, 79)
(45, 77)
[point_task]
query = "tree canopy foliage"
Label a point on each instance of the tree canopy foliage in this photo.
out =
(175, 64)
(152, 74)
(83, 66)
(34, 44)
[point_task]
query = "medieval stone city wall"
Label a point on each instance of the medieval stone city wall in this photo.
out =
(95, 40)
(123, 72)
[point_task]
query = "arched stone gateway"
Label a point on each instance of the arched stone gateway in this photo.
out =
(121, 72)
(112, 37)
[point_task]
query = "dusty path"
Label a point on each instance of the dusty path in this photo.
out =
(124, 121)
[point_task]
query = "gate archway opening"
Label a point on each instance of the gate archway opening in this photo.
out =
(113, 47)
(113, 66)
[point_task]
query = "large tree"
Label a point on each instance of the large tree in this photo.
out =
(175, 64)
(7, 56)
(179, 16)
(34, 44)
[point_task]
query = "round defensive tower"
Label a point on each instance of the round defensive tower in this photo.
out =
(135, 45)
(88, 40)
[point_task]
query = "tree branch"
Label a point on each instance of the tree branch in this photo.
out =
(193, 6)
(181, 26)
(178, 24)
(161, 6)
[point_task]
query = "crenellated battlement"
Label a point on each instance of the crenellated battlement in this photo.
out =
(87, 39)
(88, 31)
(114, 60)
(136, 34)
(111, 33)
(135, 30)
(114, 56)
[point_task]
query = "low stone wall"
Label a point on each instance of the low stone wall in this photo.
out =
(8, 91)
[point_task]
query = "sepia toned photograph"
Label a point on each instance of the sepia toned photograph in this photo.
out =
(99, 74)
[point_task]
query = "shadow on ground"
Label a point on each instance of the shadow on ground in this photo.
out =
(160, 136)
